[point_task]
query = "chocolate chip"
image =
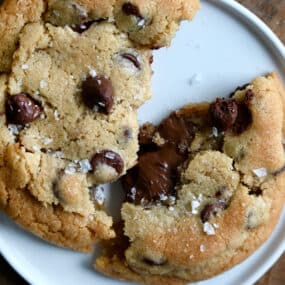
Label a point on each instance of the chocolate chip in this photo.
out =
(98, 94)
(131, 10)
(244, 118)
(178, 131)
(256, 191)
(21, 109)
(110, 158)
(155, 175)
(151, 262)
(224, 113)
(157, 171)
(212, 209)
(132, 58)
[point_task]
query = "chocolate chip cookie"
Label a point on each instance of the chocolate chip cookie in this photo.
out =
(68, 125)
(149, 23)
(207, 191)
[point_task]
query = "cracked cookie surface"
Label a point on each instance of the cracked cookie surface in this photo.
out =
(211, 192)
(148, 23)
(69, 124)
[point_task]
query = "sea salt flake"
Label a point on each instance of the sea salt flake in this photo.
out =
(71, 168)
(123, 35)
(209, 229)
(141, 23)
(216, 226)
(110, 155)
(101, 104)
(202, 248)
(14, 129)
(43, 84)
(24, 66)
(195, 79)
(95, 108)
(260, 172)
(215, 132)
(20, 82)
(133, 193)
(47, 140)
(56, 13)
(98, 194)
(85, 166)
(92, 73)
(194, 206)
(200, 197)
(58, 154)
(56, 115)
(163, 197)
(36, 148)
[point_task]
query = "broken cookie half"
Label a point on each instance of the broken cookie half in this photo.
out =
(207, 191)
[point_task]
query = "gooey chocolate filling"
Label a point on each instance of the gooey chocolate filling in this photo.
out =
(163, 149)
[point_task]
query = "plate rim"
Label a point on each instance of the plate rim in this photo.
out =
(277, 46)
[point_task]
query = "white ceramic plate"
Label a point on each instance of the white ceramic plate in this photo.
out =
(224, 47)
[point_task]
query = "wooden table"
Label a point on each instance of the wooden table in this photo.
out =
(273, 13)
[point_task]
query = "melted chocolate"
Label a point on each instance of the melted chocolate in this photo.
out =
(156, 173)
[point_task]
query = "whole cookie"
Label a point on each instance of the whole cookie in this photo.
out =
(207, 191)
(68, 125)
(148, 23)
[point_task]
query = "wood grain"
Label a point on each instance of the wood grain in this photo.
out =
(273, 13)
